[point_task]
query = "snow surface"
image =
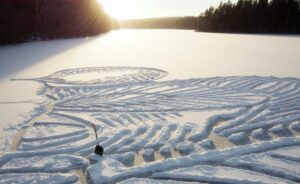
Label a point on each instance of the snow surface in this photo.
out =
(56, 163)
(45, 178)
(153, 181)
(207, 144)
(168, 119)
(148, 152)
(218, 174)
(238, 138)
(296, 126)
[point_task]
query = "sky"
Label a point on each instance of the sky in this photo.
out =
(134, 9)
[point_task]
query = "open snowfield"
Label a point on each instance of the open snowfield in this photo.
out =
(170, 107)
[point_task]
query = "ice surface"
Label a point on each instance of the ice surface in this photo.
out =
(177, 106)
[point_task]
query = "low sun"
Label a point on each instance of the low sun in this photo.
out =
(121, 9)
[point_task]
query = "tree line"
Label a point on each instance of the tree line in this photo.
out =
(253, 16)
(23, 20)
(244, 16)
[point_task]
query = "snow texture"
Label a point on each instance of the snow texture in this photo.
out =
(295, 126)
(238, 138)
(209, 130)
(207, 144)
(45, 178)
(153, 181)
(218, 174)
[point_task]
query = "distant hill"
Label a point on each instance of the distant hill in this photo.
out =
(162, 23)
(24, 20)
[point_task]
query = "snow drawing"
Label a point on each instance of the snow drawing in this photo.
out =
(205, 130)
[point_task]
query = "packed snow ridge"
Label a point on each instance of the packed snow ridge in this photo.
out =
(205, 130)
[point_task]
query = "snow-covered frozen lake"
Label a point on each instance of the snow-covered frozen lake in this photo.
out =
(169, 106)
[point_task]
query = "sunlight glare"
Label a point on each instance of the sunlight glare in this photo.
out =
(135, 9)
(121, 9)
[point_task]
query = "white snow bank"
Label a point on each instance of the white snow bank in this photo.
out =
(280, 167)
(180, 133)
(14, 116)
(148, 155)
(113, 171)
(238, 138)
(148, 152)
(278, 129)
(44, 178)
(185, 148)
(51, 130)
(248, 115)
(211, 121)
(162, 136)
(103, 170)
(56, 163)
(49, 143)
(153, 181)
(295, 126)
(206, 173)
(125, 158)
(289, 152)
(260, 134)
(207, 144)
(165, 150)
(141, 141)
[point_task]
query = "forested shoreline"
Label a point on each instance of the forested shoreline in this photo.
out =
(252, 16)
(244, 16)
(26, 20)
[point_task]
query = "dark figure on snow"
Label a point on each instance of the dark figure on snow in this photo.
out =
(98, 149)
